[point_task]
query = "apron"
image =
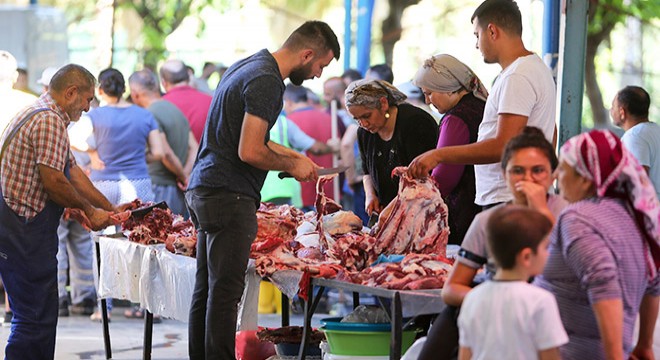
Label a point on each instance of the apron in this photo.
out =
(28, 266)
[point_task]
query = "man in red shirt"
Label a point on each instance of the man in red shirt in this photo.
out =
(316, 124)
(193, 103)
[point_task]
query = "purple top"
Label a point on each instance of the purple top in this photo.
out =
(596, 253)
(453, 131)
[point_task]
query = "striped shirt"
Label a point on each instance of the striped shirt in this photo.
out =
(596, 253)
(42, 140)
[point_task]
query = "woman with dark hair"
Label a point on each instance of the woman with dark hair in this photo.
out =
(455, 91)
(604, 252)
(392, 133)
(527, 163)
(119, 134)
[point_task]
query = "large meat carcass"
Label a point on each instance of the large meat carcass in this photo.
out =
(416, 221)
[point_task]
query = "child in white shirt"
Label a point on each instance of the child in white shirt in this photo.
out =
(507, 318)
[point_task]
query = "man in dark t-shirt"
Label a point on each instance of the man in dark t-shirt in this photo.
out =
(234, 157)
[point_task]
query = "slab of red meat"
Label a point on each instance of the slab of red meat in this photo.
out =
(415, 221)
(414, 272)
(160, 226)
(276, 225)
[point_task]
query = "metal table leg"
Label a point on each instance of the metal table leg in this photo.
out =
(395, 345)
(285, 310)
(310, 306)
(104, 309)
(148, 334)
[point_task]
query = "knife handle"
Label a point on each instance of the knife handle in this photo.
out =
(284, 174)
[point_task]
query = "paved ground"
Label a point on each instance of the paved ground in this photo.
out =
(80, 338)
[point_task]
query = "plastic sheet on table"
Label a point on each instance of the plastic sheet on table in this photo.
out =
(121, 262)
(247, 308)
(287, 281)
(167, 282)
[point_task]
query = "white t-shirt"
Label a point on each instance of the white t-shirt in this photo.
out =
(524, 88)
(643, 141)
(509, 320)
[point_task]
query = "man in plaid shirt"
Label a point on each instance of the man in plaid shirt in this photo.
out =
(39, 178)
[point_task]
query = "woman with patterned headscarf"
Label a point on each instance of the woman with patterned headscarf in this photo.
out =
(605, 250)
(457, 93)
(392, 133)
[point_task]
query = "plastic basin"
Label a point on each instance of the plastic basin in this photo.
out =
(291, 349)
(334, 323)
(365, 343)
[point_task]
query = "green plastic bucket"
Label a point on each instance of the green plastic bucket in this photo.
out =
(366, 343)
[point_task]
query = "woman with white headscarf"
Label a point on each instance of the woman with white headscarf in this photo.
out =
(604, 253)
(457, 93)
(392, 133)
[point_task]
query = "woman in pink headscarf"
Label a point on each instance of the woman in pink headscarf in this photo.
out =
(605, 250)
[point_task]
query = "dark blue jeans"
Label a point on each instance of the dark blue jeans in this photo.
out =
(227, 226)
(28, 266)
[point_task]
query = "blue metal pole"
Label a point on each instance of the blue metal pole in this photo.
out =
(551, 34)
(348, 4)
(571, 77)
(363, 41)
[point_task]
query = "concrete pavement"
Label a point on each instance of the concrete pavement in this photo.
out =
(80, 338)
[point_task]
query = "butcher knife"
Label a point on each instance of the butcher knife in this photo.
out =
(141, 212)
(373, 219)
(324, 171)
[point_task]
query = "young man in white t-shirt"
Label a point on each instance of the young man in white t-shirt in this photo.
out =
(523, 94)
(508, 318)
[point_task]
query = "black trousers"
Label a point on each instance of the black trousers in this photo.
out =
(442, 339)
(227, 226)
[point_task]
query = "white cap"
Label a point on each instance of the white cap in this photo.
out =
(7, 67)
(46, 75)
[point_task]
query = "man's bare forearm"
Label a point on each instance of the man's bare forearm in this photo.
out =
(61, 191)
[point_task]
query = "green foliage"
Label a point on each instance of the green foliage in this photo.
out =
(160, 18)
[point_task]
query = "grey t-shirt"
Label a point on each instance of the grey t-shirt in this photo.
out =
(474, 252)
(253, 85)
(174, 125)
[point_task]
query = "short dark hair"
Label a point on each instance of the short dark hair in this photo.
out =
(71, 74)
(383, 71)
(174, 72)
(112, 82)
(635, 100)
(315, 35)
(146, 79)
(513, 228)
(503, 13)
(530, 137)
(295, 93)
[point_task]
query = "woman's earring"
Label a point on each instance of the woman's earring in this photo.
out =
(387, 115)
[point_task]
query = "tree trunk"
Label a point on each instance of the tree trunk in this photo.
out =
(392, 27)
(594, 94)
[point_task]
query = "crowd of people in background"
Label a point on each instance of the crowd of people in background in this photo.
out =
(580, 266)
